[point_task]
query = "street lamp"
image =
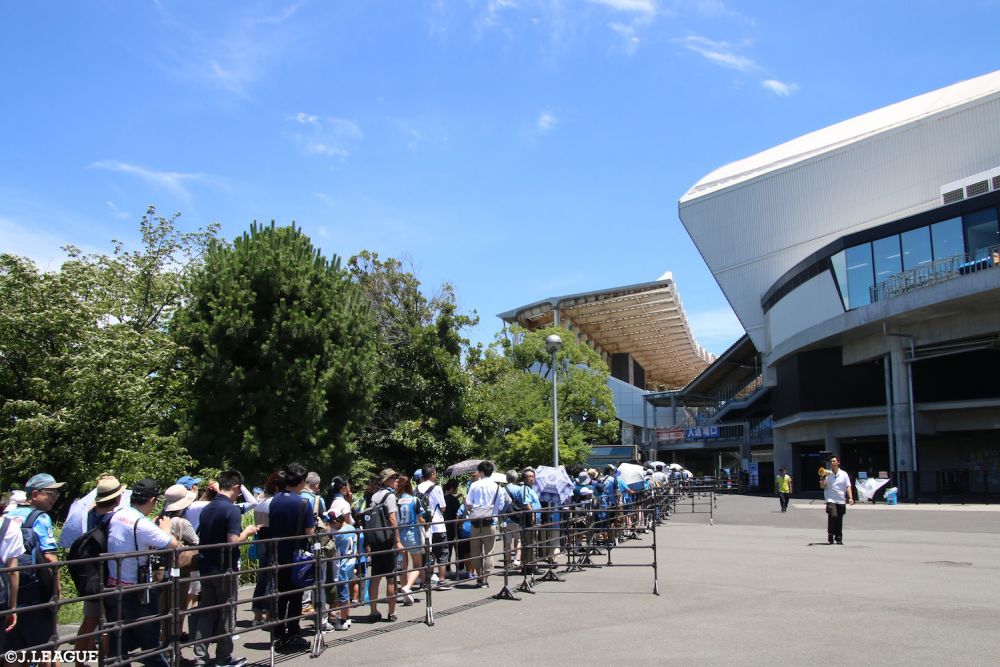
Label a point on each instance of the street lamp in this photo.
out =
(553, 344)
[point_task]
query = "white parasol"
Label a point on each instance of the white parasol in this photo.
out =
(631, 473)
(553, 482)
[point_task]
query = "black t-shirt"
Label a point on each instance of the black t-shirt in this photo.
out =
(220, 519)
(289, 515)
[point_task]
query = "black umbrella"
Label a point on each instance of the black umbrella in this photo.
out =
(462, 467)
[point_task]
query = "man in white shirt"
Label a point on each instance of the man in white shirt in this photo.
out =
(431, 492)
(838, 494)
(485, 501)
(130, 530)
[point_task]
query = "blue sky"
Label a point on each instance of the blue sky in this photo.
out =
(516, 148)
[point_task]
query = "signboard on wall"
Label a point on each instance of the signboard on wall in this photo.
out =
(754, 470)
(702, 432)
(669, 434)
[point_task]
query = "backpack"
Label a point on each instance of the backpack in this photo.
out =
(40, 578)
(525, 517)
(375, 521)
(89, 577)
(424, 503)
(4, 579)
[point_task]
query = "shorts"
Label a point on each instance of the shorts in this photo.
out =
(438, 548)
(344, 591)
(383, 563)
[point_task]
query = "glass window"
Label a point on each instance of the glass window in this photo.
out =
(916, 247)
(981, 231)
(859, 275)
(947, 238)
(839, 262)
(888, 258)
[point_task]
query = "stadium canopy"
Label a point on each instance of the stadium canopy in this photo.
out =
(646, 320)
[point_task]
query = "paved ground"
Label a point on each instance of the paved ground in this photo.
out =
(756, 588)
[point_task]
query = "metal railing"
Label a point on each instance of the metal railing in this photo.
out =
(575, 533)
(934, 272)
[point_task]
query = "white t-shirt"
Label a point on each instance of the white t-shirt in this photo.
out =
(130, 530)
(11, 544)
(340, 507)
(835, 489)
(435, 500)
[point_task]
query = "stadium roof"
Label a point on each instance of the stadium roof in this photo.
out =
(645, 320)
(844, 133)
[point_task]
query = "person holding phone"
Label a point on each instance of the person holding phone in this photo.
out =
(838, 495)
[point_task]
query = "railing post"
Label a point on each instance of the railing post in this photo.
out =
(175, 603)
(428, 571)
(318, 599)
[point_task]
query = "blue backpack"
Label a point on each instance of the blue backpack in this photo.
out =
(38, 579)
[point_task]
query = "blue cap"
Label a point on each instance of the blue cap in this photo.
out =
(187, 481)
(418, 473)
(41, 481)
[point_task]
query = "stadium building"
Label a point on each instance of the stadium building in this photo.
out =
(863, 261)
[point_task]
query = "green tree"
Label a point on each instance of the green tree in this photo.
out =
(419, 406)
(87, 370)
(510, 403)
(281, 354)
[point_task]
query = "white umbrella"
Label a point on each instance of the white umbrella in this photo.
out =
(657, 464)
(675, 466)
(631, 473)
(499, 477)
(554, 482)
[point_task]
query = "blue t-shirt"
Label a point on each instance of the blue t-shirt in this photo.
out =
(42, 527)
(409, 531)
(346, 540)
(289, 515)
(220, 519)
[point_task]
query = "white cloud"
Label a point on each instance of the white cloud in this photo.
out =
(328, 136)
(546, 122)
(720, 53)
(171, 181)
(115, 211)
(630, 41)
(719, 9)
(631, 6)
(283, 15)
(779, 88)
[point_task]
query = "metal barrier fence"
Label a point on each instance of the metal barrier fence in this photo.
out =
(578, 534)
(698, 498)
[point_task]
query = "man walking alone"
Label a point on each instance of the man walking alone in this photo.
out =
(783, 486)
(838, 494)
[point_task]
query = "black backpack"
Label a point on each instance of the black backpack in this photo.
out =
(37, 578)
(424, 503)
(89, 577)
(375, 522)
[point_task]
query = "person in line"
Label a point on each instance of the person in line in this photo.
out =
(838, 494)
(106, 500)
(523, 499)
(437, 506)
(265, 579)
(176, 499)
(411, 536)
(35, 628)
(130, 530)
(221, 524)
(457, 551)
(346, 539)
(783, 487)
(11, 548)
(383, 562)
(312, 495)
(484, 503)
(290, 516)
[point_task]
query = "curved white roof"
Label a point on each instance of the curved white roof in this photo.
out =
(843, 133)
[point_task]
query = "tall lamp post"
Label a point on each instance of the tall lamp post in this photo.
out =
(553, 344)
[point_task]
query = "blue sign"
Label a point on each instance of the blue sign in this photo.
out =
(701, 432)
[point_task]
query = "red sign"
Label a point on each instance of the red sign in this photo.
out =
(669, 434)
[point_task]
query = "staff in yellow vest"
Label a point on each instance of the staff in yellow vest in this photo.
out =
(783, 486)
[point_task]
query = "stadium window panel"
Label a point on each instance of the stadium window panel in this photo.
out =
(980, 231)
(860, 277)
(888, 258)
(916, 247)
(946, 238)
(839, 262)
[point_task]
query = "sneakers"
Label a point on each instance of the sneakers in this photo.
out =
(375, 617)
(308, 609)
(391, 618)
(434, 579)
(232, 662)
(840, 541)
(339, 625)
(407, 596)
(326, 627)
(443, 586)
(291, 644)
(829, 539)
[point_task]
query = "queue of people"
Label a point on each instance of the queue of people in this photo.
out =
(456, 531)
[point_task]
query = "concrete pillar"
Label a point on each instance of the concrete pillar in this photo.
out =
(783, 452)
(906, 461)
(830, 443)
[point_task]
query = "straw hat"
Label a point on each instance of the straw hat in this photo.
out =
(108, 487)
(177, 498)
